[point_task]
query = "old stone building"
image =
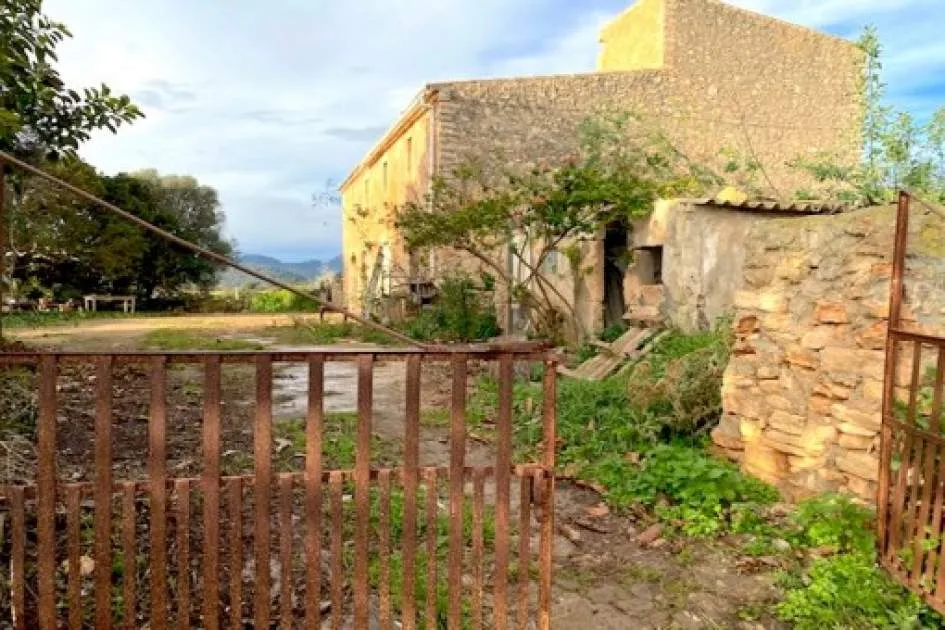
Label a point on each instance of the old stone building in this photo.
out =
(710, 75)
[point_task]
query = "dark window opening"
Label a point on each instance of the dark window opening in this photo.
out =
(649, 265)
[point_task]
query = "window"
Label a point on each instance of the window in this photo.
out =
(552, 264)
(385, 176)
(649, 264)
(409, 153)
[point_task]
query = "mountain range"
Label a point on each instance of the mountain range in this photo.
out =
(304, 272)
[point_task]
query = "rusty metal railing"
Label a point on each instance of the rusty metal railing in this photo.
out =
(113, 534)
(911, 488)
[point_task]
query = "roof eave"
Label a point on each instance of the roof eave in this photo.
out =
(413, 112)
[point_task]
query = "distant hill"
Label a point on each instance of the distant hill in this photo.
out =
(305, 272)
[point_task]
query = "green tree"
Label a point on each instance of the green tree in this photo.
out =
(191, 211)
(39, 115)
(897, 152)
(69, 247)
(620, 168)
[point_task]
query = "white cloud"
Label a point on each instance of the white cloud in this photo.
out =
(268, 101)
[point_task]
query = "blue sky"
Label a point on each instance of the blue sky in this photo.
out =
(269, 101)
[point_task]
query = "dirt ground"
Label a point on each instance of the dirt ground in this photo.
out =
(611, 571)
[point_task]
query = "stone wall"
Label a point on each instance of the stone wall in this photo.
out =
(722, 84)
(802, 395)
(709, 75)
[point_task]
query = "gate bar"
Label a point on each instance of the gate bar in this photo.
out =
(895, 311)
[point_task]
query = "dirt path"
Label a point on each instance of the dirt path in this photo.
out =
(126, 333)
(605, 576)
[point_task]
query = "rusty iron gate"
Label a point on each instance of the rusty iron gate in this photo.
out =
(911, 489)
(409, 545)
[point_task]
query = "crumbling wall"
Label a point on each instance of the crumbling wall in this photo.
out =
(802, 395)
(703, 262)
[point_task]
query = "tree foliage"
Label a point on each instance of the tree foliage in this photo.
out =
(64, 246)
(897, 151)
(620, 168)
(39, 115)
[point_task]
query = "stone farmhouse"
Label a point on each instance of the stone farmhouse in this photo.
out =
(711, 76)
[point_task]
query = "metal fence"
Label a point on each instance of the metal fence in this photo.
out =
(911, 490)
(404, 545)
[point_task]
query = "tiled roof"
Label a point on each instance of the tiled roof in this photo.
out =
(787, 207)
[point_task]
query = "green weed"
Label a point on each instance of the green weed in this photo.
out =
(329, 333)
(171, 339)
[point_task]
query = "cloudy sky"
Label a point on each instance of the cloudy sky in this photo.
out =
(269, 102)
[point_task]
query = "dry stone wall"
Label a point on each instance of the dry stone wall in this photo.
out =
(802, 395)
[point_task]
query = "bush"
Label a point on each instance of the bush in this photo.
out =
(682, 381)
(695, 491)
(462, 312)
(280, 301)
(849, 591)
(845, 589)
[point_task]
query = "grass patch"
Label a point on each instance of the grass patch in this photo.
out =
(339, 444)
(328, 333)
(171, 339)
(39, 320)
(436, 418)
(841, 586)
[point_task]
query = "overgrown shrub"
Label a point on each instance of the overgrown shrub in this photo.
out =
(681, 383)
(463, 311)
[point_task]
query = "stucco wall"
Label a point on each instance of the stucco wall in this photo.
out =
(398, 174)
(634, 40)
(703, 259)
(802, 394)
